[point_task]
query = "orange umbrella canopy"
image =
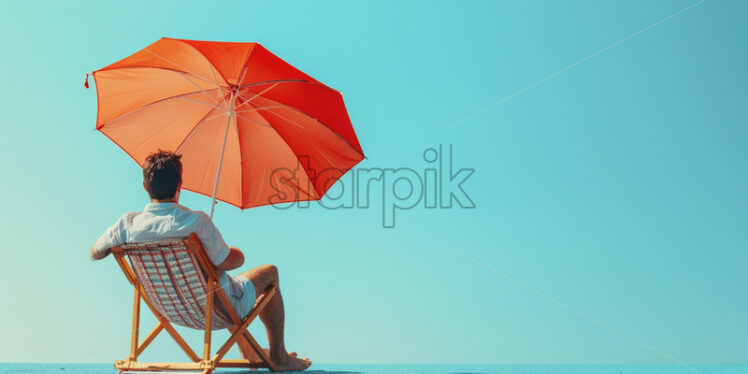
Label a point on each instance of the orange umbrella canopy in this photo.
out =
(251, 129)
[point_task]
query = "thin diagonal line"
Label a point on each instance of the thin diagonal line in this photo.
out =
(244, 66)
(210, 65)
(100, 27)
(572, 309)
(315, 120)
(539, 81)
(289, 148)
(289, 254)
(283, 81)
(253, 121)
(287, 119)
(258, 108)
(195, 101)
(197, 125)
(205, 93)
(146, 106)
(256, 95)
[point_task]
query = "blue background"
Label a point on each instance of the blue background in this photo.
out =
(617, 186)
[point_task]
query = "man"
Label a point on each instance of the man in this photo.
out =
(165, 218)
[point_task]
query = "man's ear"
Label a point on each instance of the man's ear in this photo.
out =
(144, 187)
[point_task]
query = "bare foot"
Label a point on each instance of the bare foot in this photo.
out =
(252, 356)
(291, 363)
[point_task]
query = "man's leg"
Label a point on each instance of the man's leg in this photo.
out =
(272, 317)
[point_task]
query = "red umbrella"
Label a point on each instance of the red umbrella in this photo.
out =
(251, 129)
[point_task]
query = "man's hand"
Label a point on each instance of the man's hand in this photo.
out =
(233, 261)
(96, 255)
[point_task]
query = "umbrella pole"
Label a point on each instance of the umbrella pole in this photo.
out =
(223, 150)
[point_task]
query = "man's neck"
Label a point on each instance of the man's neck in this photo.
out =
(155, 201)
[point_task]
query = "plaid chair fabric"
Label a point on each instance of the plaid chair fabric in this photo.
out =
(174, 283)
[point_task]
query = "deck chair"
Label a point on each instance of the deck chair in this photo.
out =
(180, 286)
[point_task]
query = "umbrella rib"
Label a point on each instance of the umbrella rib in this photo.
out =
(179, 65)
(244, 67)
(294, 123)
(185, 76)
(253, 121)
(255, 96)
(285, 81)
(194, 128)
(245, 118)
(195, 101)
(162, 68)
(300, 126)
(205, 93)
(322, 154)
(287, 119)
(259, 108)
(212, 68)
(316, 120)
(143, 107)
(287, 145)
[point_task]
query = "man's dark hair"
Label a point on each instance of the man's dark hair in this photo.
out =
(162, 172)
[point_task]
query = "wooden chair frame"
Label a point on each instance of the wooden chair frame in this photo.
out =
(207, 363)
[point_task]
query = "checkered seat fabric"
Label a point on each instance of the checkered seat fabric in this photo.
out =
(173, 282)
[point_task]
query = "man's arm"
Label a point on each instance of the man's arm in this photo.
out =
(112, 237)
(233, 261)
(220, 254)
(96, 255)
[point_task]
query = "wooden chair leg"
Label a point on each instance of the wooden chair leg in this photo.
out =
(149, 338)
(135, 325)
(242, 331)
(232, 339)
(208, 321)
(173, 332)
(182, 344)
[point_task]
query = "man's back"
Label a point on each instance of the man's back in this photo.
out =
(160, 221)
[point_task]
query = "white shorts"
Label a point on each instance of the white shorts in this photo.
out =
(242, 294)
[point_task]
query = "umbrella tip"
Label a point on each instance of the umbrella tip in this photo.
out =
(85, 84)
